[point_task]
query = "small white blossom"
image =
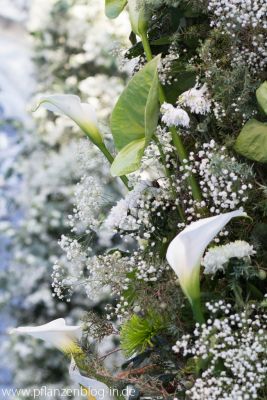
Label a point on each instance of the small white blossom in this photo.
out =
(174, 116)
(221, 179)
(196, 99)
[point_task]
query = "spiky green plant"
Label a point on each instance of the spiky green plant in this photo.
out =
(137, 333)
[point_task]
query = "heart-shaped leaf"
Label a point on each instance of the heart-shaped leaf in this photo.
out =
(252, 141)
(134, 119)
(113, 8)
(135, 115)
(129, 158)
(261, 94)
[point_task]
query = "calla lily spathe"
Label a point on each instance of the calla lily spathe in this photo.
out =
(62, 336)
(96, 390)
(185, 252)
(138, 17)
(81, 113)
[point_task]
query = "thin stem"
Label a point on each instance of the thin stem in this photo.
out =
(181, 151)
(146, 46)
(182, 154)
(110, 158)
(110, 353)
(168, 174)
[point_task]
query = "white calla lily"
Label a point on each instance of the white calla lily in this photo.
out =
(81, 113)
(62, 336)
(138, 17)
(186, 250)
(96, 390)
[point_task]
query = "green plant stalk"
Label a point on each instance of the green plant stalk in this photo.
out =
(181, 151)
(168, 174)
(110, 158)
(182, 154)
(197, 311)
(146, 46)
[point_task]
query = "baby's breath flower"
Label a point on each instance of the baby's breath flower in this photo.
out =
(244, 21)
(235, 341)
(118, 217)
(88, 203)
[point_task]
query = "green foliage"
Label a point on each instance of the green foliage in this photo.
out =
(135, 117)
(130, 117)
(138, 332)
(113, 8)
(217, 164)
(252, 141)
(261, 95)
(184, 80)
(232, 88)
(239, 269)
(128, 159)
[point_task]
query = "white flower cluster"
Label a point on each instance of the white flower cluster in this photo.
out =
(142, 213)
(132, 216)
(235, 341)
(110, 273)
(88, 204)
(196, 99)
(119, 216)
(151, 167)
(238, 17)
(165, 65)
(174, 116)
(107, 273)
(62, 283)
(72, 248)
(69, 269)
(155, 202)
(147, 270)
(216, 258)
(102, 274)
(222, 180)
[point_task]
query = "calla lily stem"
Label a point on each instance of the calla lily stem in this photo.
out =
(197, 311)
(110, 158)
(181, 151)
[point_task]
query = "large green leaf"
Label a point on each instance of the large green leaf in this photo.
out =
(152, 108)
(113, 8)
(135, 115)
(252, 141)
(129, 158)
(261, 94)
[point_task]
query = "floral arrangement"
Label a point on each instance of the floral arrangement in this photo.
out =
(183, 280)
(47, 158)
